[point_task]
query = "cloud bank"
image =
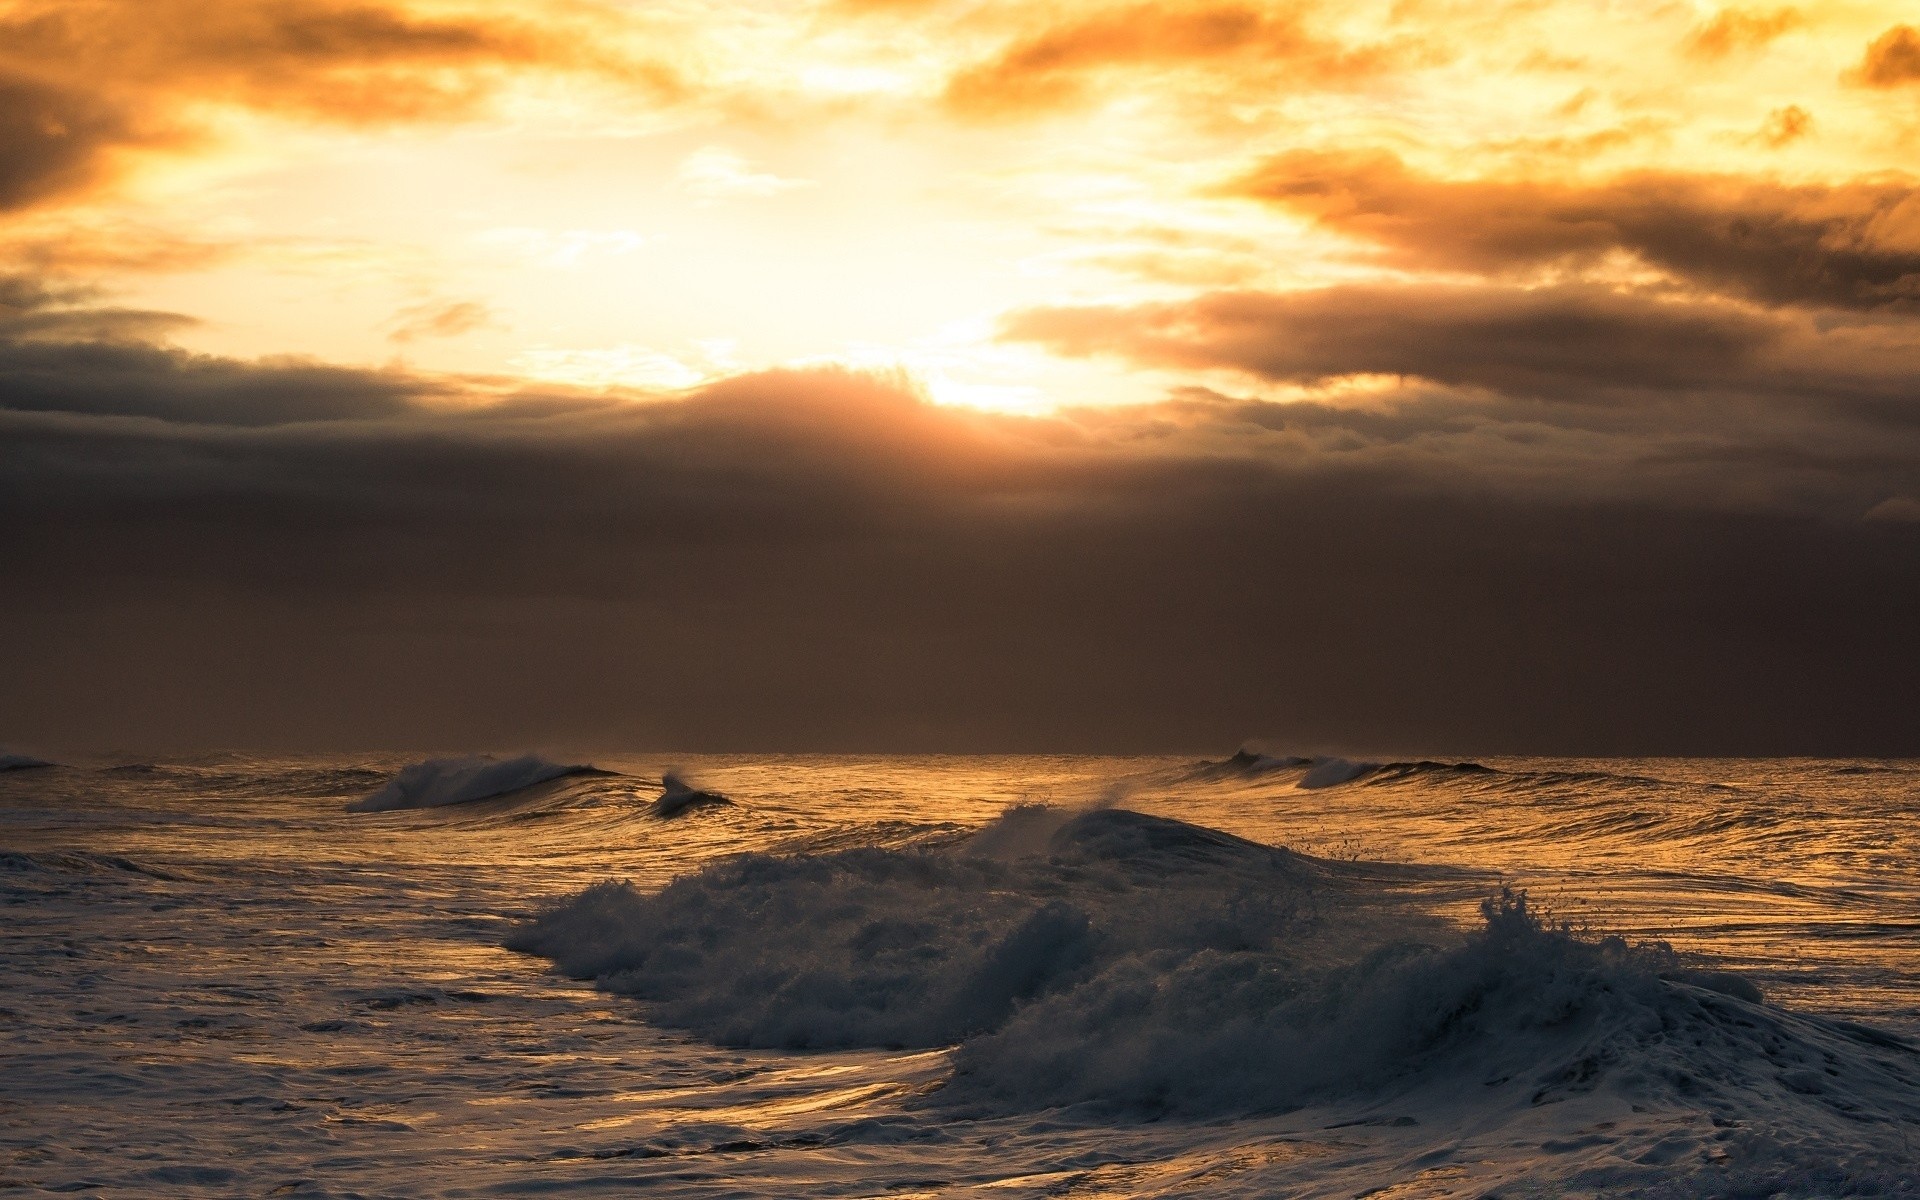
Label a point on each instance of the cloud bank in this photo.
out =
(275, 553)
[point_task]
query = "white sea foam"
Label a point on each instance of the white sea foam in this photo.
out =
(1149, 967)
(442, 781)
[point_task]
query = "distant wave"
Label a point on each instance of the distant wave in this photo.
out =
(1321, 771)
(1245, 764)
(678, 796)
(1332, 772)
(21, 762)
(1155, 966)
(442, 781)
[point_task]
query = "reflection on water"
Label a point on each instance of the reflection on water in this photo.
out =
(221, 982)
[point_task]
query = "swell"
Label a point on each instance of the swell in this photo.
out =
(1314, 771)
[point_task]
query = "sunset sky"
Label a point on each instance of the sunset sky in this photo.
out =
(877, 370)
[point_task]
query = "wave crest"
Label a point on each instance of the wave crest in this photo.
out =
(1150, 967)
(438, 782)
(678, 796)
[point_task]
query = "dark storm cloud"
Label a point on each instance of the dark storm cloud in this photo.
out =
(1854, 245)
(822, 560)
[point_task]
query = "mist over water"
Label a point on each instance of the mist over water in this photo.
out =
(1263, 975)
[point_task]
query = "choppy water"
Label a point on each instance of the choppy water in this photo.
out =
(219, 981)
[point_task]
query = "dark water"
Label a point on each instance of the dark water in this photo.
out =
(1253, 977)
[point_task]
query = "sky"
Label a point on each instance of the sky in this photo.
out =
(964, 375)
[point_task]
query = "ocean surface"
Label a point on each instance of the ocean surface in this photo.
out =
(929, 977)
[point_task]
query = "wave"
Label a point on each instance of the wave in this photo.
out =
(438, 782)
(894, 947)
(678, 796)
(21, 762)
(1244, 764)
(1321, 771)
(1332, 772)
(1315, 771)
(1147, 967)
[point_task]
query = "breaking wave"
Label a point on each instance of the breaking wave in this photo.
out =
(1154, 967)
(442, 781)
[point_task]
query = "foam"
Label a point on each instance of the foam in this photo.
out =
(443, 781)
(1148, 967)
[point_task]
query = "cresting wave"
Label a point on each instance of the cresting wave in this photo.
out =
(1146, 967)
(677, 796)
(443, 781)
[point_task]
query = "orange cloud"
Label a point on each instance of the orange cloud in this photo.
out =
(1851, 245)
(81, 80)
(1784, 125)
(55, 139)
(1566, 343)
(1063, 63)
(1734, 29)
(1893, 59)
(335, 60)
(436, 320)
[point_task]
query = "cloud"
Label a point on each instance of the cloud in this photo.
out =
(1066, 62)
(1786, 124)
(440, 319)
(1891, 61)
(73, 72)
(1854, 245)
(1734, 29)
(716, 173)
(54, 139)
(205, 550)
(1570, 344)
(60, 352)
(817, 561)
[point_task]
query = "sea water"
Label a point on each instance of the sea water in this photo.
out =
(1005, 977)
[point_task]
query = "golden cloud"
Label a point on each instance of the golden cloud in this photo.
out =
(82, 80)
(1853, 244)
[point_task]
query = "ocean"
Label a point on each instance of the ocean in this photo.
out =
(1258, 975)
